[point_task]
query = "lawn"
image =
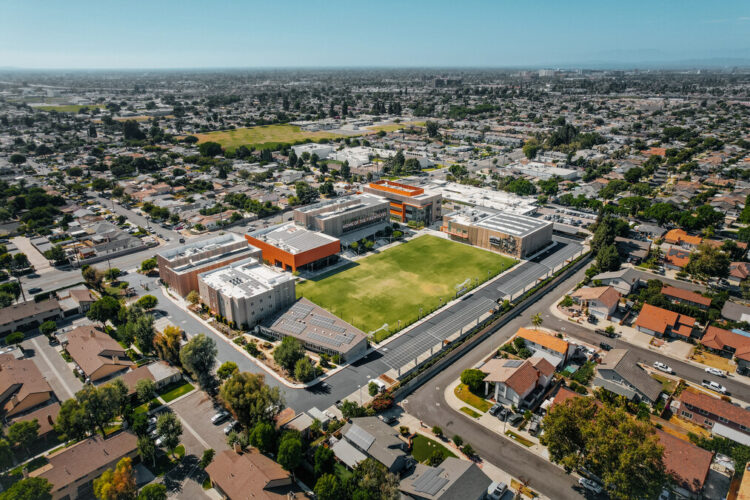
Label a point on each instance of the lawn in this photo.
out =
(519, 439)
(423, 447)
(470, 412)
(393, 285)
(463, 393)
(69, 108)
(667, 384)
(263, 136)
(710, 359)
(175, 390)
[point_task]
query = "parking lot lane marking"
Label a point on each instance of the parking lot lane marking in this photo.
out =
(52, 367)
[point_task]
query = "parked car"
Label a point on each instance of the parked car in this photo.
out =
(229, 427)
(605, 346)
(496, 490)
(716, 371)
(592, 319)
(495, 408)
(662, 367)
(34, 290)
(534, 428)
(590, 485)
(387, 419)
(714, 386)
(220, 417)
(503, 414)
(182, 240)
(515, 419)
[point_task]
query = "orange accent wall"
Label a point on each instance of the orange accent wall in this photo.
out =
(396, 188)
(274, 255)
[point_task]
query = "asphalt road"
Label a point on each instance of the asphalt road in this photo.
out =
(428, 404)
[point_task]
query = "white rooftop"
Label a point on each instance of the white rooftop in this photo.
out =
(245, 278)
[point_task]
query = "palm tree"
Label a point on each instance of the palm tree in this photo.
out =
(537, 320)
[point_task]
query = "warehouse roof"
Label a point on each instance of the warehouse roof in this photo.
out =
(502, 222)
(292, 238)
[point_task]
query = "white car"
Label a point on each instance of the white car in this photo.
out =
(662, 367)
(590, 485)
(716, 371)
(714, 386)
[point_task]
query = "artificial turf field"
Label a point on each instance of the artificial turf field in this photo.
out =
(263, 136)
(394, 284)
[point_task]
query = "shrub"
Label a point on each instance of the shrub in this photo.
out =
(437, 431)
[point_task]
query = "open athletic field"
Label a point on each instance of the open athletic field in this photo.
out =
(264, 136)
(69, 108)
(394, 284)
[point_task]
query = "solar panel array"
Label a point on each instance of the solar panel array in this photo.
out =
(513, 363)
(430, 482)
(300, 310)
(293, 327)
(326, 323)
(360, 437)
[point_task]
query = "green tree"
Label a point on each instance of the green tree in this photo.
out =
(744, 217)
(304, 371)
(72, 422)
(169, 429)
(263, 436)
(324, 460)
(14, 338)
(99, 409)
(372, 389)
(198, 357)
(473, 379)
(153, 491)
(142, 329)
(227, 369)
(117, 484)
(210, 149)
(537, 320)
(432, 128)
(56, 254)
(207, 458)
(564, 433)
(708, 262)
(31, 488)
(608, 259)
(104, 309)
(305, 194)
(193, 297)
(149, 264)
(24, 433)
(350, 409)
(250, 399)
(328, 487)
(288, 353)
(373, 481)
(147, 450)
(458, 440)
(48, 327)
(145, 390)
(290, 452)
(531, 148)
(6, 454)
(147, 302)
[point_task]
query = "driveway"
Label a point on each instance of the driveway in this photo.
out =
(195, 411)
(53, 367)
(39, 261)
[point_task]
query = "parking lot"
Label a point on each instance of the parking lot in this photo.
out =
(54, 368)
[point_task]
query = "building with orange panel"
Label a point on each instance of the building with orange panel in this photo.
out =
(293, 248)
(408, 203)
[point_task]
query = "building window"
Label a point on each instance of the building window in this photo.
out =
(687, 414)
(744, 429)
(723, 420)
(708, 422)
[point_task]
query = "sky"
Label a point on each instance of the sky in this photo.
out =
(136, 34)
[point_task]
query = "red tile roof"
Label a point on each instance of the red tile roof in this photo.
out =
(719, 407)
(686, 295)
(657, 319)
(544, 339)
(718, 338)
(739, 270)
(688, 463)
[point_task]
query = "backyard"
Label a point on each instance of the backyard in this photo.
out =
(263, 136)
(394, 285)
(423, 448)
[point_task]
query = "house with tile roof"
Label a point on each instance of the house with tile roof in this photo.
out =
(728, 344)
(680, 237)
(721, 417)
(738, 272)
(97, 354)
(676, 258)
(682, 296)
(662, 322)
(551, 347)
(601, 301)
(517, 381)
(22, 386)
(688, 464)
(251, 475)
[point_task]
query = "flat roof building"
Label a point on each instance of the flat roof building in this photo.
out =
(339, 216)
(318, 330)
(292, 247)
(512, 234)
(246, 291)
(180, 267)
(407, 202)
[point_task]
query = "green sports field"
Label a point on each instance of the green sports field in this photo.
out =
(263, 136)
(69, 108)
(393, 285)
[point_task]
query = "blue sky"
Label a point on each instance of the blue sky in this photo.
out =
(333, 33)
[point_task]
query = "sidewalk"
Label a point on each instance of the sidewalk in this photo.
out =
(493, 424)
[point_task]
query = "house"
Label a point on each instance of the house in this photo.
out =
(650, 231)
(27, 315)
(721, 417)
(624, 281)
(676, 258)
(518, 382)
(688, 464)
(72, 470)
(661, 322)
(632, 250)
(601, 301)
(97, 354)
(620, 373)
(681, 238)
(22, 386)
(728, 344)
(738, 272)
(735, 312)
(160, 373)
(74, 301)
(251, 475)
(370, 437)
(453, 479)
(554, 349)
(682, 296)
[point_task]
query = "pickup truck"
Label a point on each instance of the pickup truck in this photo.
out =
(714, 386)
